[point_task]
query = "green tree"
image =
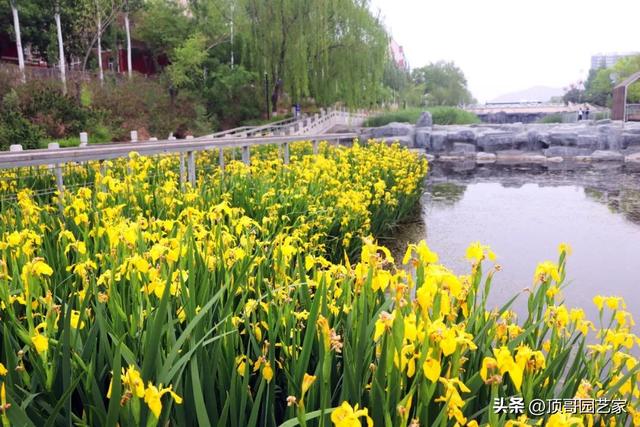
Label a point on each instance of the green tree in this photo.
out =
(444, 83)
(574, 94)
(163, 26)
(598, 87)
(36, 21)
(327, 50)
(625, 68)
(186, 68)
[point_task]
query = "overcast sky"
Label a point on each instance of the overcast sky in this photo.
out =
(509, 45)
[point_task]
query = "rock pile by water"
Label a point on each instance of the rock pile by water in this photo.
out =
(586, 141)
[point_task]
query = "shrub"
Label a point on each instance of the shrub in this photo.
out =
(551, 118)
(14, 127)
(64, 142)
(233, 96)
(7, 78)
(441, 116)
(144, 105)
(452, 116)
(99, 133)
(58, 115)
(404, 116)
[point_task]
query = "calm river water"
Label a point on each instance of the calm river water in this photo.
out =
(524, 212)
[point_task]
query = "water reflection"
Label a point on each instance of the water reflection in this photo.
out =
(615, 185)
(446, 193)
(523, 212)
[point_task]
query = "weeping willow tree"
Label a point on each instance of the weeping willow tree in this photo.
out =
(330, 50)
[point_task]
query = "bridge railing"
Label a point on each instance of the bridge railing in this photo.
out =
(304, 125)
(632, 112)
(188, 149)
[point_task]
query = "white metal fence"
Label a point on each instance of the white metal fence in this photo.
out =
(281, 133)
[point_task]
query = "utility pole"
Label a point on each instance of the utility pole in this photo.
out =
(99, 17)
(63, 75)
(16, 27)
(127, 29)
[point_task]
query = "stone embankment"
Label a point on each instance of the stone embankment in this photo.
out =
(587, 141)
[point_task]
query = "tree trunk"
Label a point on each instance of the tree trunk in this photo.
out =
(16, 26)
(232, 34)
(100, 71)
(128, 31)
(63, 73)
(87, 54)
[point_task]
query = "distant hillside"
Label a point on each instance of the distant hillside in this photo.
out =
(533, 94)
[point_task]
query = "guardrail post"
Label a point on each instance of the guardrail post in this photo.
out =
(183, 177)
(134, 136)
(57, 169)
(315, 146)
(245, 155)
(221, 158)
(191, 165)
(286, 153)
(103, 168)
(83, 143)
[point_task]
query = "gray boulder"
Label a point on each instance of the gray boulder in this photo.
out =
(485, 157)
(392, 129)
(563, 138)
(423, 138)
(404, 140)
(633, 158)
(453, 157)
(438, 141)
(519, 156)
(365, 136)
(425, 120)
(492, 142)
(561, 151)
(608, 138)
(588, 141)
(521, 141)
(463, 135)
(606, 155)
(628, 139)
(536, 140)
(556, 159)
(464, 147)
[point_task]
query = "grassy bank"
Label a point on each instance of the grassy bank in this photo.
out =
(441, 116)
